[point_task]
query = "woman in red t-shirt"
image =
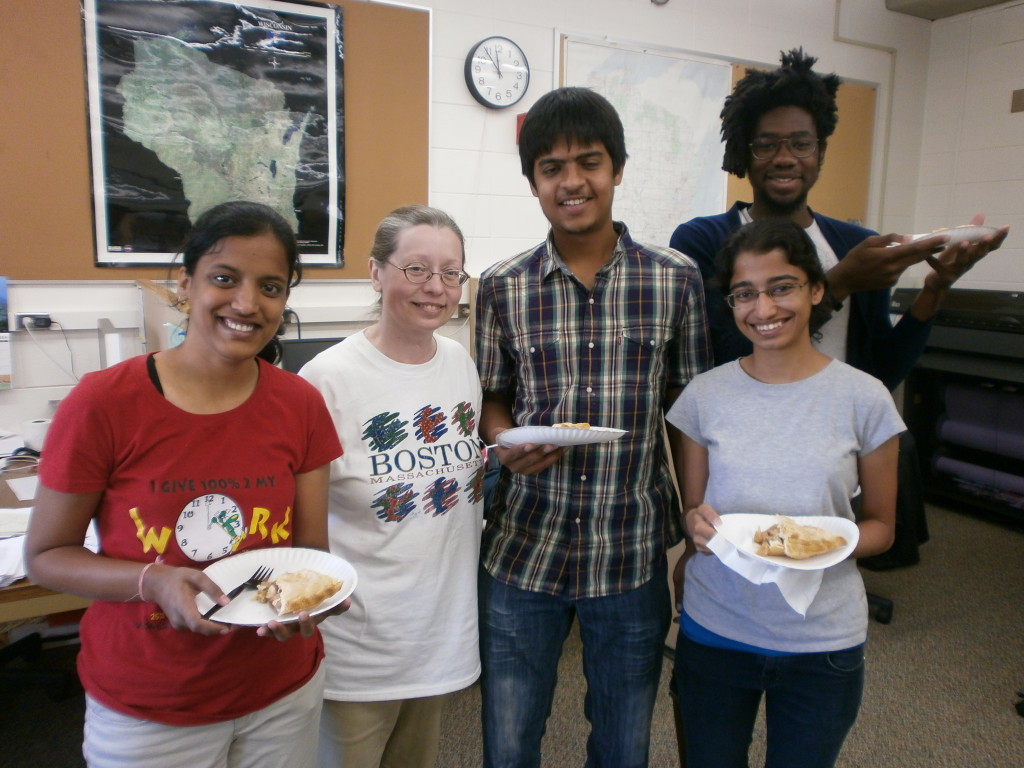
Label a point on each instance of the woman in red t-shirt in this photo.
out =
(136, 448)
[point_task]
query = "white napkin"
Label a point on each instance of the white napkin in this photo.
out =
(799, 588)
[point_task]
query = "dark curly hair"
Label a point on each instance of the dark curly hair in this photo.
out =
(794, 84)
(764, 236)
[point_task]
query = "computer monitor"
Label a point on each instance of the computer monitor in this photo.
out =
(295, 353)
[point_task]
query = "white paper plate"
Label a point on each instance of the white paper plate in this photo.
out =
(245, 609)
(970, 234)
(739, 530)
(558, 436)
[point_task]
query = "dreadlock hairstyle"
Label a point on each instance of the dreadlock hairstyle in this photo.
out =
(794, 84)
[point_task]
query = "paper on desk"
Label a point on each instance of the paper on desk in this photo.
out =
(799, 588)
(12, 556)
(14, 522)
(24, 487)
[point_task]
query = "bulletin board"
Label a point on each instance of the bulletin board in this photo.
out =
(46, 225)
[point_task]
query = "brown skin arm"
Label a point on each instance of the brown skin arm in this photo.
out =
(879, 261)
(878, 483)
(876, 263)
(56, 559)
(675, 444)
(526, 459)
(699, 519)
(949, 266)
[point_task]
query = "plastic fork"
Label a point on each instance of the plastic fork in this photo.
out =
(261, 575)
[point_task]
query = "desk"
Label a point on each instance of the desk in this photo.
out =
(23, 599)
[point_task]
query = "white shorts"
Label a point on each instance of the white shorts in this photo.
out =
(281, 735)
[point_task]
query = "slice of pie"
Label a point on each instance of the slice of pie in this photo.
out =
(571, 425)
(297, 591)
(787, 538)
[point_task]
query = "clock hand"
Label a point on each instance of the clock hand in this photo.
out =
(495, 62)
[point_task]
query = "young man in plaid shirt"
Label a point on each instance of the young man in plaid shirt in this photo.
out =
(593, 327)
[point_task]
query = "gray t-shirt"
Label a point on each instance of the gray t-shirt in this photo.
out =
(782, 449)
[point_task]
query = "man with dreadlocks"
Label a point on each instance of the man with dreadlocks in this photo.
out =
(776, 127)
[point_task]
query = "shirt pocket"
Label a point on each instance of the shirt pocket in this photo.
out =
(545, 365)
(641, 355)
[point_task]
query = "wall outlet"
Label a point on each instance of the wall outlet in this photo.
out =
(30, 320)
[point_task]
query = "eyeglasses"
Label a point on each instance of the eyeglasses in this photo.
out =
(766, 149)
(775, 292)
(417, 273)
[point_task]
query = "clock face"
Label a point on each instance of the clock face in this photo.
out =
(497, 72)
(210, 526)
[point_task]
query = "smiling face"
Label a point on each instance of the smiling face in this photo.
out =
(773, 324)
(237, 294)
(575, 184)
(418, 308)
(781, 183)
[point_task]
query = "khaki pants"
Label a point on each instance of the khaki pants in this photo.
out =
(381, 734)
(281, 735)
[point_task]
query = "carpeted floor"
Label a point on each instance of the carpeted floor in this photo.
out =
(942, 677)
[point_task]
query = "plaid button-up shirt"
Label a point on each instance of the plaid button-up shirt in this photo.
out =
(597, 522)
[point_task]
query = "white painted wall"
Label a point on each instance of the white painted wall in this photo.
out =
(945, 143)
(972, 146)
(474, 167)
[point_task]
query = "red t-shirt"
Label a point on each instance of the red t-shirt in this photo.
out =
(114, 432)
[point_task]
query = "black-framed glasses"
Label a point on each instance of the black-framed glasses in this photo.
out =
(766, 149)
(774, 292)
(417, 273)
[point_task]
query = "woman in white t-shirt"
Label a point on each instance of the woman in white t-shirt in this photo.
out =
(785, 430)
(405, 503)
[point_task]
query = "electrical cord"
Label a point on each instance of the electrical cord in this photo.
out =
(294, 317)
(71, 356)
(442, 330)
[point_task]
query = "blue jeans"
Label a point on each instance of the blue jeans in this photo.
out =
(521, 636)
(811, 702)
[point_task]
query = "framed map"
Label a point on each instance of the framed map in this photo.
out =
(669, 103)
(196, 102)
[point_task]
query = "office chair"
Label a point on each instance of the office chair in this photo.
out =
(911, 526)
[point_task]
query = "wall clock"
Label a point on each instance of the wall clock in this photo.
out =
(497, 72)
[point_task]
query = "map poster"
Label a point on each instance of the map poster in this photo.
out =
(193, 103)
(669, 102)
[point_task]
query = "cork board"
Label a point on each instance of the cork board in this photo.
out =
(46, 225)
(842, 189)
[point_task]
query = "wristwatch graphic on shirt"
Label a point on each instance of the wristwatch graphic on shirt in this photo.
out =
(210, 526)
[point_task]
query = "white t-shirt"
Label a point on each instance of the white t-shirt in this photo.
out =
(406, 510)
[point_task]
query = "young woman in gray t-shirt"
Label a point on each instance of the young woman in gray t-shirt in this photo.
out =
(785, 430)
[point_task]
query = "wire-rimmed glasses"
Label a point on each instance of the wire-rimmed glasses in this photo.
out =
(418, 273)
(773, 292)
